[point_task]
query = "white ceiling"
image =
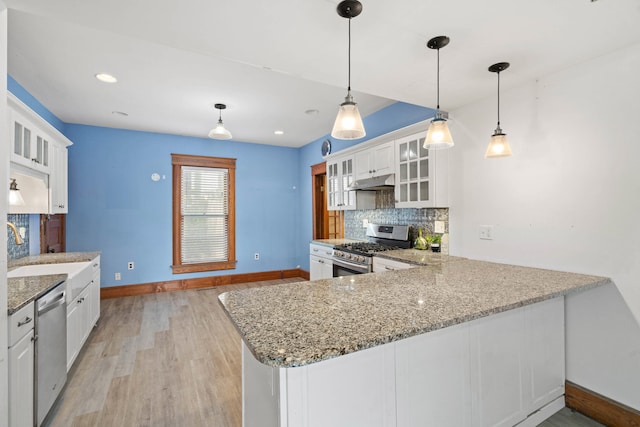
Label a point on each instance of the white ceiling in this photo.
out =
(270, 61)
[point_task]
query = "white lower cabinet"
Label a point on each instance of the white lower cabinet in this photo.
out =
(500, 370)
(320, 262)
(21, 367)
(83, 313)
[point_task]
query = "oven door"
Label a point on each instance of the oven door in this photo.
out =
(346, 268)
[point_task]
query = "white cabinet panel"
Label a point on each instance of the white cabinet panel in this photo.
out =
(375, 161)
(353, 390)
(340, 175)
(58, 179)
(432, 373)
(21, 363)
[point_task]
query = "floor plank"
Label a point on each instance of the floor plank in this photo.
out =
(170, 359)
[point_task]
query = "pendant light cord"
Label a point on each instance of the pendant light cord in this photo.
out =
(498, 99)
(438, 78)
(349, 68)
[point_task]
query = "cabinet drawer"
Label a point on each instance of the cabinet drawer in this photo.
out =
(20, 323)
(383, 264)
(320, 250)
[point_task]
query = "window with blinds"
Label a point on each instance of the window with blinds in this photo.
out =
(204, 213)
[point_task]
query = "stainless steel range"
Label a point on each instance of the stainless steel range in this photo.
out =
(357, 258)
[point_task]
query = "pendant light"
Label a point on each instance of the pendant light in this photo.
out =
(348, 124)
(15, 198)
(498, 145)
(219, 132)
(438, 135)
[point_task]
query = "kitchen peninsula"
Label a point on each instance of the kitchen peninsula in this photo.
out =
(453, 343)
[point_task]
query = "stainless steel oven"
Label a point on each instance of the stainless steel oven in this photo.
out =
(357, 257)
(345, 268)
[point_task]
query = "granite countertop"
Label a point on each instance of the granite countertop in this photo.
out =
(334, 242)
(22, 290)
(417, 257)
(297, 324)
(55, 258)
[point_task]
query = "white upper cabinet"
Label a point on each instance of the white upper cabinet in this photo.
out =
(340, 175)
(39, 153)
(59, 179)
(30, 145)
(422, 174)
(375, 161)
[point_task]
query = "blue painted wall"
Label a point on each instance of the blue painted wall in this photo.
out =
(115, 207)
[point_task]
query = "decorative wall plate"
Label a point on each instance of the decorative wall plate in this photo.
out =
(326, 147)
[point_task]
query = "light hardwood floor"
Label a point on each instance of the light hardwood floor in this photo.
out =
(169, 359)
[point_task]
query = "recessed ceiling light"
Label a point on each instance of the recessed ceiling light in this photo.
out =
(106, 78)
(312, 112)
(120, 113)
(278, 132)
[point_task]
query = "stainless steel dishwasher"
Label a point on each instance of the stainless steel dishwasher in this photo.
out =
(50, 350)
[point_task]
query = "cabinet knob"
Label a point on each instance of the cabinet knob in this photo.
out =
(34, 338)
(321, 261)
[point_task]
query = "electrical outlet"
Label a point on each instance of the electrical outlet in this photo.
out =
(438, 226)
(118, 276)
(365, 223)
(256, 256)
(486, 232)
(130, 265)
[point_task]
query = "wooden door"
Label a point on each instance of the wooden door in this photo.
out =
(52, 233)
(326, 224)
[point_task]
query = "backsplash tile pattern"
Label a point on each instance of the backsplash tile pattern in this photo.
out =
(416, 218)
(17, 251)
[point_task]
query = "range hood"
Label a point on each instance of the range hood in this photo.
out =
(381, 182)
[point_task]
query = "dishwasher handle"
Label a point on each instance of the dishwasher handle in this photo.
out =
(50, 305)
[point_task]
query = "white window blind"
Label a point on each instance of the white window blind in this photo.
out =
(204, 214)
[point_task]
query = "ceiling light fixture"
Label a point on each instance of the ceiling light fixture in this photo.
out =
(438, 134)
(498, 145)
(15, 198)
(278, 132)
(348, 124)
(106, 78)
(219, 132)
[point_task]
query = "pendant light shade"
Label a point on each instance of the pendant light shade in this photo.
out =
(15, 198)
(438, 134)
(348, 124)
(498, 145)
(219, 132)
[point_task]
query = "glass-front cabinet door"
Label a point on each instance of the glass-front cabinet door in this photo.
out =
(340, 175)
(333, 184)
(416, 180)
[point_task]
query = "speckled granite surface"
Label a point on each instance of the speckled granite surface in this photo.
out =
(22, 290)
(301, 323)
(334, 242)
(56, 258)
(416, 257)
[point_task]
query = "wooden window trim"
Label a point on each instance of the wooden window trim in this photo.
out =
(177, 161)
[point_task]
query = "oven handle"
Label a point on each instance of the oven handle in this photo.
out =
(346, 264)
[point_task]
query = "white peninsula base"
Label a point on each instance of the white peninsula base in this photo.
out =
(503, 370)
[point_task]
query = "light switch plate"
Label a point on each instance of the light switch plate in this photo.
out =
(438, 226)
(365, 223)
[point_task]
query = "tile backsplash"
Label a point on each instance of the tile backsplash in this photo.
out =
(17, 251)
(416, 218)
